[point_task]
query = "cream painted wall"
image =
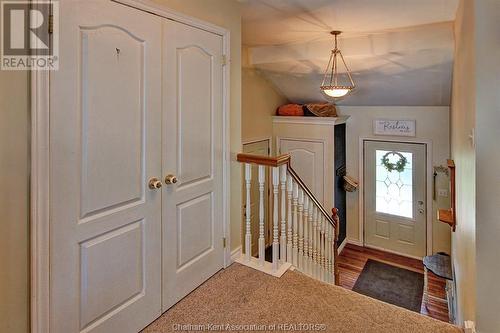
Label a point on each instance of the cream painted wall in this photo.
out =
(487, 46)
(432, 124)
(462, 122)
(226, 14)
(259, 100)
(14, 202)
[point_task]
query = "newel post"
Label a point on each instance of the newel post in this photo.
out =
(335, 217)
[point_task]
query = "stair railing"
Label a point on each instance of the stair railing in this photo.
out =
(304, 234)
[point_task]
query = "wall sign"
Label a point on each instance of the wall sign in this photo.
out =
(394, 127)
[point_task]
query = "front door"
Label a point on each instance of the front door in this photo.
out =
(395, 200)
(192, 159)
(105, 137)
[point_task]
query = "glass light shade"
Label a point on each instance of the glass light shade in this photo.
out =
(337, 92)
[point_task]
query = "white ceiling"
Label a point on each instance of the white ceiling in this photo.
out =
(400, 51)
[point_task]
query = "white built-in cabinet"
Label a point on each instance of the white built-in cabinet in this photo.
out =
(317, 147)
(136, 166)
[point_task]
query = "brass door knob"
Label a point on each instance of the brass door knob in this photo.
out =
(170, 179)
(154, 183)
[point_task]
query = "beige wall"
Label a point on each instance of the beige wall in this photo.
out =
(226, 14)
(462, 151)
(432, 124)
(14, 201)
(487, 46)
(259, 100)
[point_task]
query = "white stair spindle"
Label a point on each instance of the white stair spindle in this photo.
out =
(322, 249)
(262, 244)
(301, 230)
(283, 214)
(330, 252)
(311, 239)
(306, 236)
(332, 257)
(315, 242)
(248, 234)
(289, 188)
(295, 224)
(320, 226)
(275, 248)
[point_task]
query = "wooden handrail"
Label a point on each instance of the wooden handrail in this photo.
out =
(276, 161)
(264, 160)
(311, 196)
(284, 162)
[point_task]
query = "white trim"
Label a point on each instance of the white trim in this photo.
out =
(235, 254)
(354, 242)
(40, 168)
(257, 139)
(469, 326)
(429, 172)
(266, 268)
(341, 247)
(39, 200)
(226, 168)
(311, 120)
(163, 11)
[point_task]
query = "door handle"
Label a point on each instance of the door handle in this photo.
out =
(154, 183)
(170, 179)
(421, 211)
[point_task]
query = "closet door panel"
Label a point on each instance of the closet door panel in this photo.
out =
(192, 152)
(105, 144)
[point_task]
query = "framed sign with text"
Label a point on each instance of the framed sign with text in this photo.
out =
(394, 127)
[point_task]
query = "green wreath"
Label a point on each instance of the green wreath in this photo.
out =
(399, 166)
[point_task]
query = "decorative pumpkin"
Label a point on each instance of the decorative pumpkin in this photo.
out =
(290, 110)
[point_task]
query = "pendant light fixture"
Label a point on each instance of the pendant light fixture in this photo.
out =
(332, 81)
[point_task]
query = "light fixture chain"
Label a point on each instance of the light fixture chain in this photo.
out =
(335, 89)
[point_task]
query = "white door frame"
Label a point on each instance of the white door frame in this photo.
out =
(40, 167)
(428, 176)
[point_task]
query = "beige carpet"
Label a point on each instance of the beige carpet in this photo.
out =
(242, 297)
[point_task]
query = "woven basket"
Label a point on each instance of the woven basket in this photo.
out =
(350, 185)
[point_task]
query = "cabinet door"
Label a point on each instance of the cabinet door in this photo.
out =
(105, 136)
(193, 152)
(308, 160)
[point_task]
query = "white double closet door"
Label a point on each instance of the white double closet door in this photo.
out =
(137, 96)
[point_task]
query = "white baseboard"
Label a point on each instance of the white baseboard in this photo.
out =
(266, 268)
(354, 242)
(469, 326)
(342, 245)
(236, 253)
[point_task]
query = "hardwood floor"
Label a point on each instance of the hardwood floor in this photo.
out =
(352, 259)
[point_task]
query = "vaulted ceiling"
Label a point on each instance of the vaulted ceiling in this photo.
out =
(399, 51)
